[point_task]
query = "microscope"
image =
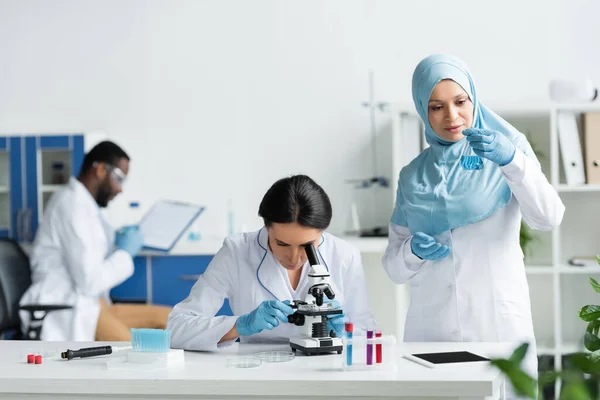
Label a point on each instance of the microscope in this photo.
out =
(312, 314)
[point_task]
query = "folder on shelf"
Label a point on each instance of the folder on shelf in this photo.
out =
(570, 147)
(591, 131)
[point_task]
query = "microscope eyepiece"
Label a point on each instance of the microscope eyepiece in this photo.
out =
(311, 254)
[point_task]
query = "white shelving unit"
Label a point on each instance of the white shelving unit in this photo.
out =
(539, 269)
(571, 289)
(579, 188)
(51, 188)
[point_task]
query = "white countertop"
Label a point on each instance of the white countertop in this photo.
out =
(206, 374)
(185, 247)
(210, 246)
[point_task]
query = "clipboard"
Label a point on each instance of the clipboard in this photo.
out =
(165, 223)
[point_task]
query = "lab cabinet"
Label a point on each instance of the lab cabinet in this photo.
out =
(32, 168)
(135, 288)
(164, 279)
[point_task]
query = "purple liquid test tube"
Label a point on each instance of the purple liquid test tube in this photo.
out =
(369, 348)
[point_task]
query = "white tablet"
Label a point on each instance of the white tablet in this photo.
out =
(452, 357)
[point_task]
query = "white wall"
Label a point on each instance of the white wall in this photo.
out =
(218, 99)
(574, 40)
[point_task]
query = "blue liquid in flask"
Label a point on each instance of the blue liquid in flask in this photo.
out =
(470, 162)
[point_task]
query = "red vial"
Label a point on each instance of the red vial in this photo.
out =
(378, 349)
(38, 359)
(30, 358)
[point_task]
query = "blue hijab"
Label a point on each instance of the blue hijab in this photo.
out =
(435, 194)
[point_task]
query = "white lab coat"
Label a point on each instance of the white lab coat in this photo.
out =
(479, 293)
(245, 271)
(73, 262)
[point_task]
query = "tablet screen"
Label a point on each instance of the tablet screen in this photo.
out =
(450, 357)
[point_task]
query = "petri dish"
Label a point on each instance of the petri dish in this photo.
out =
(243, 362)
(275, 356)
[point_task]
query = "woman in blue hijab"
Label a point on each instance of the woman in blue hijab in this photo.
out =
(454, 234)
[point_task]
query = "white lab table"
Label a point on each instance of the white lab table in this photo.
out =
(206, 376)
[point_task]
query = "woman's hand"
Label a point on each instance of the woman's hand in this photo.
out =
(266, 316)
(427, 248)
(490, 144)
(336, 322)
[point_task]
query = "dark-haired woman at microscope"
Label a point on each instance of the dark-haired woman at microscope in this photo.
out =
(262, 272)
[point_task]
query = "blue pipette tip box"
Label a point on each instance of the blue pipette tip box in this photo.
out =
(151, 340)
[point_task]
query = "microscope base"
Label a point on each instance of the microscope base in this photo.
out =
(311, 346)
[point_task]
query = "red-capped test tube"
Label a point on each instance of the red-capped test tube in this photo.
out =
(378, 348)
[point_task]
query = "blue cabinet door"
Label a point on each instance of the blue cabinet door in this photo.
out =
(17, 188)
(135, 287)
(71, 143)
(31, 216)
(174, 276)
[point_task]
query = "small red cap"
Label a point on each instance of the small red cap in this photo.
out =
(377, 333)
(30, 358)
(38, 359)
(349, 327)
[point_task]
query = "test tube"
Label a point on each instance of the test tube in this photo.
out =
(349, 328)
(369, 347)
(378, 348)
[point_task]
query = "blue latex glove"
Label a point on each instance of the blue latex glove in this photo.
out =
(336, 322)
(130, 239)
(427, 248)
(491, 145)
(266, 316)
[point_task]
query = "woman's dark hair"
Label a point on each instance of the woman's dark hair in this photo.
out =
(296, 199)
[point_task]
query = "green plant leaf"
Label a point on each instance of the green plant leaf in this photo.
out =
(575, 391)
(595, 284)
(526, 238)
(591, 342)
(583, 363)
(519, 354)
(523, 384)
(594, 327)
(592, 387)
(589, 313)
(598, 258)
(595, 356)
(548, 377)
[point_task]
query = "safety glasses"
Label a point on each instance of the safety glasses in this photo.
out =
(115, 172)
(118, 175)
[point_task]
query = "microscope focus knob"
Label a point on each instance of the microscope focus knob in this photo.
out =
(296, 319)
